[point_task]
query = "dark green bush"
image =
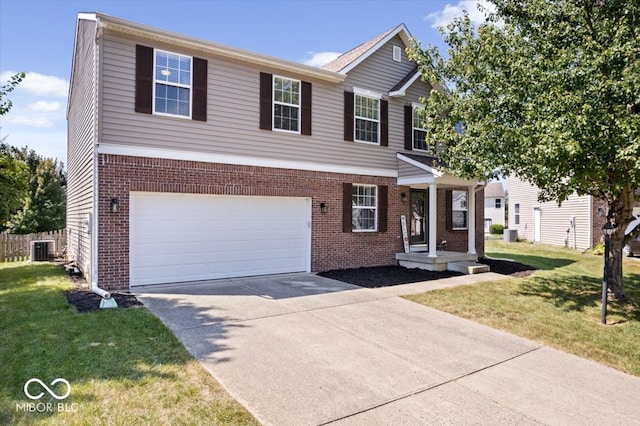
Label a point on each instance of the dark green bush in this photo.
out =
(496, 229)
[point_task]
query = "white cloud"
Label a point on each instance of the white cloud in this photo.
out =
(43, 106)
(40, 84)
(33, 121)
(444, 17)
(318, 59)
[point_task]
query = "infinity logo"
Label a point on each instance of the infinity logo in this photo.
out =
(52, 393)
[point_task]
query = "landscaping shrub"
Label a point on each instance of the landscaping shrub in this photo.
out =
(496, 229)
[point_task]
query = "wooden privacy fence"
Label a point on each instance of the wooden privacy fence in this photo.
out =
(16, 247)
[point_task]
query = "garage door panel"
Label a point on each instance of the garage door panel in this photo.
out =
(190, 237)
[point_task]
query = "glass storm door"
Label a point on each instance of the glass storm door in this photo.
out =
(418, 216)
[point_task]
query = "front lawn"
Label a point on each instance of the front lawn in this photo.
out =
(123, 365)
(559, 305)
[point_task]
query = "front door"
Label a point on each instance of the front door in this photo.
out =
(418, 216)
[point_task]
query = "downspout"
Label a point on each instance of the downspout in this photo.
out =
(94, 226)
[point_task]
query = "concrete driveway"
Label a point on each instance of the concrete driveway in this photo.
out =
(306, 350)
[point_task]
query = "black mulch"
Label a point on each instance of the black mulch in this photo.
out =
(84, 300)
(385, 276)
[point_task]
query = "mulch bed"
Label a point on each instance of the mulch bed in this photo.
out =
(84, 300)
(385, 276)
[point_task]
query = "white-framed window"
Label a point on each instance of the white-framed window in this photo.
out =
(367, 119)
(459, 210)
(286, 104)
(364, 205)
(498, 203)
(516, 211)
(172, 84)
(419, 129)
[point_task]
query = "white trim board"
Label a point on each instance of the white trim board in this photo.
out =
(172, 154)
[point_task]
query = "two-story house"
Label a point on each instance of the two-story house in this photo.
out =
(189, 160)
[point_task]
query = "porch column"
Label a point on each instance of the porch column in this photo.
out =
(433, 205)
(471, 220)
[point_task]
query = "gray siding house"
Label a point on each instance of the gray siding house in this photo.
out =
(189, 160)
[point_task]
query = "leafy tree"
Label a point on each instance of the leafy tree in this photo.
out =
(14, 176)
(548, 91)
(43, 206)
(5, 104)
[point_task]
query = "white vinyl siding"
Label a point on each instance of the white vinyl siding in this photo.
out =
(556, 223)
(81, 143)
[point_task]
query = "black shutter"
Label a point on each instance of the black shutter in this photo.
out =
(144, 79)
(199, 107)
(408, 127)
(348, 116)
(384, 123)
(305, 127)
(449, 212)
(383, 203)
(347, 212)
(266, 100)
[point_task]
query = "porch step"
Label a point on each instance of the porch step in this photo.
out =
(468, 268)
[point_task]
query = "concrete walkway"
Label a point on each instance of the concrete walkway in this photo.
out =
(306, 350)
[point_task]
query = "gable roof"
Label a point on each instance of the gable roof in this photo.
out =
(349, 60)
(494, 190)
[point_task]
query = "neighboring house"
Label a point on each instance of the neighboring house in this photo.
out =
(577, 223)
(189, 160)
(494, 205)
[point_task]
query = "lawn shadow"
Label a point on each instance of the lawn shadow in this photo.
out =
(576, 293)
(538, 262)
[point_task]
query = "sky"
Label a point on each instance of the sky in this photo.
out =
(37, 37)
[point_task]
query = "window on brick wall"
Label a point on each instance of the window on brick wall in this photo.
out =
(364, 208)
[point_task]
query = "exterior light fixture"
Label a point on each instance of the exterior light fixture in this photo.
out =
(114, 205)
(324, 208)
(165, 72)
(403, 197)
(607, 230)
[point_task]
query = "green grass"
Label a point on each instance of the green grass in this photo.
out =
(124, 366)
(559, 305)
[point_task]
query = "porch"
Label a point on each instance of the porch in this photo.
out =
(465, 263)
(441, 207)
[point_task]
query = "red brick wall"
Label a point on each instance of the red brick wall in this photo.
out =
(330, 247)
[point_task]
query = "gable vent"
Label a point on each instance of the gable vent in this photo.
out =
(397, 54)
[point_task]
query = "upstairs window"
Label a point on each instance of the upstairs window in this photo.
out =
(172, 88)
(419, 129)
(286, 104)
(367, 121)
(516, 211)
(498, 203)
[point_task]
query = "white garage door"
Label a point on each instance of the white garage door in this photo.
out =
(187, 237)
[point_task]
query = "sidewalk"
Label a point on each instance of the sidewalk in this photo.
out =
(306, 350)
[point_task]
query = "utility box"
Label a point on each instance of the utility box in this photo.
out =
(41, 251)
(510, 235)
